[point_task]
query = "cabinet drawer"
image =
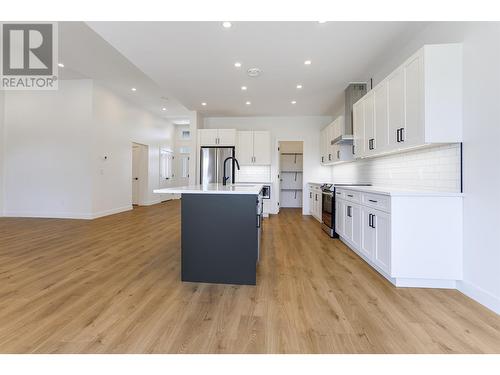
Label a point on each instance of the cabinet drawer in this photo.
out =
(339, 194)
(352, 196)
(380, 202)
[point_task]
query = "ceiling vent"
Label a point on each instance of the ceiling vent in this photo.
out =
(253, 72)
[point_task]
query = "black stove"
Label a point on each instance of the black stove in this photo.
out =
(328, 207)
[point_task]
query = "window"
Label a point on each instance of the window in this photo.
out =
(185, 134)
(166, 158)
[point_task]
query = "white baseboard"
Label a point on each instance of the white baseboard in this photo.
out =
(48, 215)
(66, 215)
(110, 212)
(480, 295)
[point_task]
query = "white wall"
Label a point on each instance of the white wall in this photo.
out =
(432, 168)
(116, 124)
(300, 128)
(1, 150)
(481, 153)
(47, 151)
(55, 143)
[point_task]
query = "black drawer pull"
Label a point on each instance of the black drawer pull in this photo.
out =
(349, 195)
(371, 200)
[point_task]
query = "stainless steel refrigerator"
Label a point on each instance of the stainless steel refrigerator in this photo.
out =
(212, 164)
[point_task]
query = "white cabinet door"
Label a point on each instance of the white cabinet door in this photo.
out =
(323, 146)
(226, 137)
(330, 148)
(382, 254)
(347, 213)
(244, 147)
(359, 128)
(262, 147)
(339, 217)
(369, 111)
(311, 202)
(381, 126)
(413, 133)
(317, 199)
(356, 225)
(368, 235)
(396, 106)
(208, 137)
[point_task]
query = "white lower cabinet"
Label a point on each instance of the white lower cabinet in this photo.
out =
(315, 196)
(413, 240)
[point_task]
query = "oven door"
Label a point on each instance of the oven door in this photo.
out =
(327, 209)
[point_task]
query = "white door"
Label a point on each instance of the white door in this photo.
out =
(136, 162)
(369, 123)
(396, 107)
(381, 127)
(244, 147)
(208, 137)
(382, 254)
(356, 226)
(226, 137)
(413, 133)
(367, 234)
(359, 128)
(262, 147)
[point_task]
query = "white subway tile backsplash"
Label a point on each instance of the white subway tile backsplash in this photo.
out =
(431, 168)
(254, 173)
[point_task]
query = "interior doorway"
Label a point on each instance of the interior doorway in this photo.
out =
(291, 156)
(139, 172)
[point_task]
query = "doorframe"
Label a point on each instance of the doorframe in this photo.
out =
(143, 173)
(276, 172)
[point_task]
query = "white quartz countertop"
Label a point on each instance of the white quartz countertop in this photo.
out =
(237, 188)
(395, 191)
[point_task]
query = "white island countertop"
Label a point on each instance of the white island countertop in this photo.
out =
(236, 188)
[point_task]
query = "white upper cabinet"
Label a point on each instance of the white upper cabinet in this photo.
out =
(418, 104)
(217, 137)
(381, 129)
(244, 147)
(358, 112)
(253, 148)
(369, 110)
(262, 147)
(334, 152)
(396, 106)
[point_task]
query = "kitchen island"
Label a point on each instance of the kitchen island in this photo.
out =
(221, 226)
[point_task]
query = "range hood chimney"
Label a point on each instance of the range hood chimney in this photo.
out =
(353, 93)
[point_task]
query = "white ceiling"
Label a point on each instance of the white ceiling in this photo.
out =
(194, 61)
(86, 55)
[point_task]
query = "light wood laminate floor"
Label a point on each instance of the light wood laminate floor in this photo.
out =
(112, 285)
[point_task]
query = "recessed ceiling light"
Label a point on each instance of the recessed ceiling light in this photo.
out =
(133, 89)
(244, 88)
(322, 21)
(237, 64)
(226, 24)
(307, 62)
(299, 86)
(203, 104)
(293, 102)
(60, 65)
(248, 103)
(163, 109)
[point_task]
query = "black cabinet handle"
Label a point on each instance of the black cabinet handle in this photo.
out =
(373, 221)
(329, 157)
(349, 195)
(349, 211)
(316, 197)
(369, 220)
(338, 193)
(397, 135)
(371, 200)
(310, 194)
(136, 178)
(402, 134)
(353, 150)
(322, 159)
(338, 154)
